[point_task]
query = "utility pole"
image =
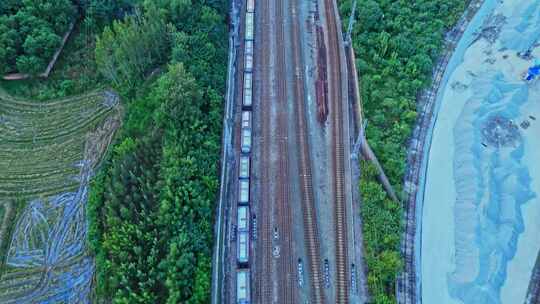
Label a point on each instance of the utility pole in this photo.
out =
(357, 145)
(348, 40)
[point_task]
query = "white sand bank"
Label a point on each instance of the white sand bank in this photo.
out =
(481, 213)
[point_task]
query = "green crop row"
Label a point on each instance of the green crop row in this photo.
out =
(41, 143)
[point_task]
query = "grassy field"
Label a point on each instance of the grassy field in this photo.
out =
(48, 150)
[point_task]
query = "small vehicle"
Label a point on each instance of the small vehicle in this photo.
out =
(300, 273)
(326, 274)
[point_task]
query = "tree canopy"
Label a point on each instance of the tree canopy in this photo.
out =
(31, 31)
(151, 207)
(396, 44)
(128, 49)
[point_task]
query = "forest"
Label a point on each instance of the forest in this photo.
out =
(31, 31)
(151, 205)
(396, 45)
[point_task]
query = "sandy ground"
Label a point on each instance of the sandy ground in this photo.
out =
(528, 243)
(480, 218)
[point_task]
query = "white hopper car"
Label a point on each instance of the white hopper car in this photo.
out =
(243, 192)
(248, 90)
(250, 6)
(244, 166)
(243, 295)
(243, 218)
(242, 242)
(249, 25)
(248, 56)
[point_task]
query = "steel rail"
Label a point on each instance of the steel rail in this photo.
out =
(287, 290)
(338, 154)
(264, 272)
(311, 232)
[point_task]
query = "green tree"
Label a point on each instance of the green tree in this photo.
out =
(396, 44)
(30, 32)
(58, 14)
(161, 180)
(129, 49)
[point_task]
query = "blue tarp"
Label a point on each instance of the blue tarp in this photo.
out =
(532, 72)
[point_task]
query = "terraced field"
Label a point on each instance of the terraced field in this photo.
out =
(48, 151)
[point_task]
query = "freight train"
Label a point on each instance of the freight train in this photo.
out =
(243, 273)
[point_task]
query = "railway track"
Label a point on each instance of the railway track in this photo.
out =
(281, 210)
(263, 287)
(338, 154)
(279, 214)
(287, 290)
(311, 236)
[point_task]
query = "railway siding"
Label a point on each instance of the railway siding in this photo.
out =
(340, 144)
(287, 261)
(264, 286)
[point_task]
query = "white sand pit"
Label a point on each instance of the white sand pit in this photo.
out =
(481, 212)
